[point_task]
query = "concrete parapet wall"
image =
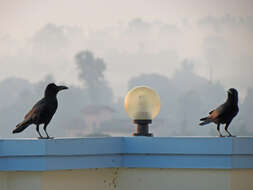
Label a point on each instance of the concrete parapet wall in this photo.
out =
(126, 152)
(183, 163)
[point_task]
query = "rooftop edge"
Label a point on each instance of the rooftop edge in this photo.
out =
(126, 152)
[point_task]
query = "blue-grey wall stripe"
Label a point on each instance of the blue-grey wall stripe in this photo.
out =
(126, 152)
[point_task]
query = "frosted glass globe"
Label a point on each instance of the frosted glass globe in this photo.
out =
(142, 103)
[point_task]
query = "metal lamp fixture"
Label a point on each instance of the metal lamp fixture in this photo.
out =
(142, 104)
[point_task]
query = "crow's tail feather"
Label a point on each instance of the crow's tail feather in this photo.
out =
(205, 120)
(21, 126)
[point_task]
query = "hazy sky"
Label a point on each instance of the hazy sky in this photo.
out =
(187, 50)
(35, 13)
(133, 37)
(22, 18)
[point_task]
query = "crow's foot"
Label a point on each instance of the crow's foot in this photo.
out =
(231, 136)
(48, 137)
(42, 137)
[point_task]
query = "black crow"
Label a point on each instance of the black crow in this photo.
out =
(224, 113)
(43, 111)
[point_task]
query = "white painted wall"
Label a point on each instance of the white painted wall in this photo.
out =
(20, 181)
(128, 179)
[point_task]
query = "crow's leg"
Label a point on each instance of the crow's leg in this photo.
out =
(45, 129)
(226, 129)
(38, 131)
(218, 129)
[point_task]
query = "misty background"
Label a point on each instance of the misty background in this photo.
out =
(191, 58)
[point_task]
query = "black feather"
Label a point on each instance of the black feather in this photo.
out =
(43, 111)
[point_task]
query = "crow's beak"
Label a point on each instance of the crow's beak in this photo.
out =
(62, 88)
(229, 91)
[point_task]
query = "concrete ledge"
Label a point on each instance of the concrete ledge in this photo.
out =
(126, 152)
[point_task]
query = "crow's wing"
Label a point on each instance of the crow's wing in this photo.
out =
(36, 110)
(218, 112)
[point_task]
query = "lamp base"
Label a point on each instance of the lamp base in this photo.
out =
(142, 128)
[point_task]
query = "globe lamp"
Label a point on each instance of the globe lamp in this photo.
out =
(142, 104)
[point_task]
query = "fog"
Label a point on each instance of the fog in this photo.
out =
(220, 46)
(191, 55)
(89, 109)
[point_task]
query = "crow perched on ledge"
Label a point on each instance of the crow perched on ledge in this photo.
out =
(224, 113)
(43, 111)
